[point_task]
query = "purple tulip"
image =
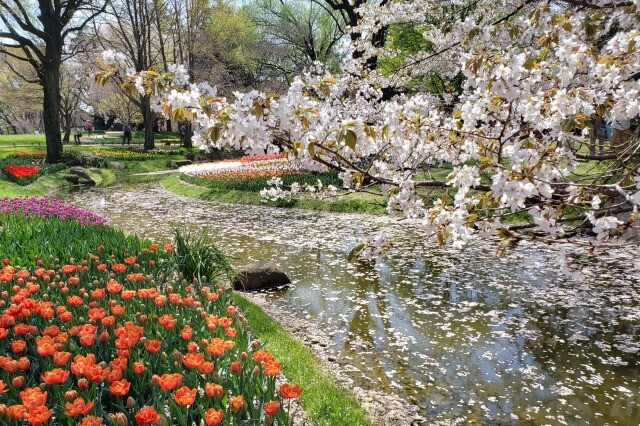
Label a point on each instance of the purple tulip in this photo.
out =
(49, 206)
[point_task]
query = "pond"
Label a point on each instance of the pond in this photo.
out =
(464, 335)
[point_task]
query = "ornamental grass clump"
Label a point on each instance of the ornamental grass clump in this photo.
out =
(196, 255)
(114, 340)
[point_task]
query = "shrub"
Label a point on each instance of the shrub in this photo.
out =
(79, 158)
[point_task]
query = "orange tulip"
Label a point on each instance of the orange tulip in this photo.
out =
(16, 411)
(153, 346)
(18, 346)
(186, 332)
(120, 387)
(33, 397)
(118, 267)
(185, 396)
(78, 407)
(271, 408)
(206, 368)
(290, 391)
(192, 360)
(38, 415)
(147, 416)
(272, 368)
(55, 376)
(213, 417)
(61, 358)
(235, 367)
(213, 390)
(138, 367)
(236, 403)
(91, 421)
(170, 381)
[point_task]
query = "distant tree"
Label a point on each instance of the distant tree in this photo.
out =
(40, 33)
(110, 101)
(297, 33)
(134, 28)
(74, 82)
(20, 100)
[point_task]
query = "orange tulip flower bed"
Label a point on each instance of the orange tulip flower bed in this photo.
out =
(125, 341)
(21, 174)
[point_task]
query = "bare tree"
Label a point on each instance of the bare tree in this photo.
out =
(73, 91)
(133, 27)
(41, 38)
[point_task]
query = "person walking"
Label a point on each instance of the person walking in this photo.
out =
(76, 135)
(126, 135)
(599, 133)
(89, 128)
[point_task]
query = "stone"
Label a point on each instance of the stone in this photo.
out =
(116, 165)
(260, 275)
(72, 179)
(78, 181)
(176, 164)
(80, 172)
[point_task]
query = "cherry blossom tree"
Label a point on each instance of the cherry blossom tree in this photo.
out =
(536, 76)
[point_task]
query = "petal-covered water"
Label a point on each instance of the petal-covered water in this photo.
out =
(463, 334)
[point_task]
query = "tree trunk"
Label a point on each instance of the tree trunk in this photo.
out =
(67, 128)
(149, 119)
(50, 81)
(186, 136)
(109, 122)
(169, 126)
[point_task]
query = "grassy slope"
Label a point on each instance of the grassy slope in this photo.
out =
(326, 402)
(352, 203)
(46, 185)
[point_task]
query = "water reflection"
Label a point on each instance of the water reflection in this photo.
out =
(465, 335)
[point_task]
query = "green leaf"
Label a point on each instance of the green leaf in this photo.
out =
(350, 138)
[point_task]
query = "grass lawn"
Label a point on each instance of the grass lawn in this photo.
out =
(25, 140)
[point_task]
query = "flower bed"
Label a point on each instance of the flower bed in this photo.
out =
(261, 157)
(36, 154)
(49, 206)
(122, 340)
(21, 174)
(123, 154)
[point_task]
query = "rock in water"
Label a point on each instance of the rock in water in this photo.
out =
(260, 275)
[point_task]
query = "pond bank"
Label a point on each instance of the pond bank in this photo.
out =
(384, 409)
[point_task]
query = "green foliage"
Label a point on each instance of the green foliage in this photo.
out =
(197, 256)
(80, 158)
(24, 236)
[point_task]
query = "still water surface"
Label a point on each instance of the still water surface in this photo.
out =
(465, 335)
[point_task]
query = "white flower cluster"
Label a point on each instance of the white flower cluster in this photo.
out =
(534, 73)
